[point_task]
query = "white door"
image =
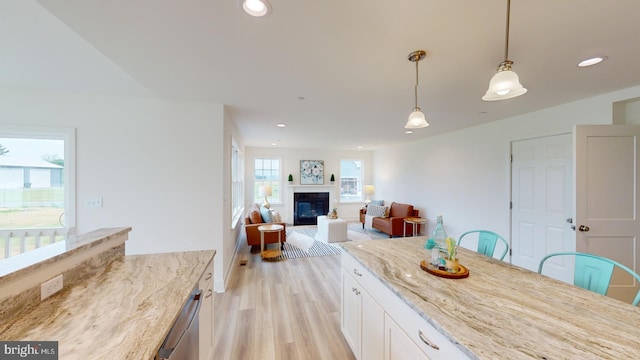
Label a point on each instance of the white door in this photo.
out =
(541, 185)
(607, 195)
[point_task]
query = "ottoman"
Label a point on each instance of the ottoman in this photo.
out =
(331, 230)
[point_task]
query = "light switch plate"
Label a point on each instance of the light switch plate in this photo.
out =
(93, 202)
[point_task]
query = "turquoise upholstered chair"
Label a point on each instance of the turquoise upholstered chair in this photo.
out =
(487, 242)
(593, 272)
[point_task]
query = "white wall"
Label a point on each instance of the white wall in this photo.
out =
(465, 175)
(157, 164)
(291, 165)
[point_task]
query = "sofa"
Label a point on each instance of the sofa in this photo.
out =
(392, 222)
(254, 217)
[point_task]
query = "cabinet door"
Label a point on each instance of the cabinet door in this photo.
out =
(351, 317)
(206, 314)
(398, 345)
(372, 328)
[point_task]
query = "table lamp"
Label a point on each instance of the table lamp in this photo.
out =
(368, 190)
(266, 192)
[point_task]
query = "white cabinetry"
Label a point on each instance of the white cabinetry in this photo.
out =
(379, 325)
(397, 344)
(206, 313)
(362, 318)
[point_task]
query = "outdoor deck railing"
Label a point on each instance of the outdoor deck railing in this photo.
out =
(18, 241)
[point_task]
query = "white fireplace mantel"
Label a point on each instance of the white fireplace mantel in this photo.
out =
(331, 186)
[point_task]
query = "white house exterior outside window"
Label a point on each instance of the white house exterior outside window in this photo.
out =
(351, 174)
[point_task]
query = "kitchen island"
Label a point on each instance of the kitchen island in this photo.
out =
(499, 312)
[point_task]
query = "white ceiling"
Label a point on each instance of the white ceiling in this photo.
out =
(346, 58)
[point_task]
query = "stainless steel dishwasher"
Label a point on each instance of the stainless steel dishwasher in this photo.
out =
(182, 342)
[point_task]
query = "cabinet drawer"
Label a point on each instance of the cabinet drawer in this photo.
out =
(206, 280)
(429, 339)
(360, 273)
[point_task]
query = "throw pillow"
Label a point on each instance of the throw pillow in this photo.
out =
(266, 214)
(255, 217)
(376, 210)
(275, 216)
(377, 202)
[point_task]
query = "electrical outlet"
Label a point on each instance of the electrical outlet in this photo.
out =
(50, 287)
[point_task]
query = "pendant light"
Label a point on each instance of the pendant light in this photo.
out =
(416, 118)
(505, 83)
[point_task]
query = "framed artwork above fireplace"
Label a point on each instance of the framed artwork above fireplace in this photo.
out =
(311, 172)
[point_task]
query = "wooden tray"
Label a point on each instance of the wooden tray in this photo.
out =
(463, 273)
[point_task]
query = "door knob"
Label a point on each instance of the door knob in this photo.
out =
(584, 228)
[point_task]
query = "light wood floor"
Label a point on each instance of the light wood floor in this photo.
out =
(288, 309)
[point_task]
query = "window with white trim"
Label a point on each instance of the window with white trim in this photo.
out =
(237, 182)
(351, 174)
(267, 172)
(37, 187)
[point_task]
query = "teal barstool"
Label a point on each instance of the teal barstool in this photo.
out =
(487, 242)
(593, 272)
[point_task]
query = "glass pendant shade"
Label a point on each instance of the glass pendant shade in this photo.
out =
(504, 84)
(416, 120)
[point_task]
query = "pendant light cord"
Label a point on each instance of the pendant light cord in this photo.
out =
(506, 38)
(415, 90)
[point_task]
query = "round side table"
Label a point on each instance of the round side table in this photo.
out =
(270, 254)
(414, 221)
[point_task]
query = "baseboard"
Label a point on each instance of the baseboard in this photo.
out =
(219, 286)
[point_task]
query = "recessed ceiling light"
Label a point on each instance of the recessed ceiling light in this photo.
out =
(274, 144)
(591, 61)
(360, 147)
(255, 8)
(408, 132)
(281, 125)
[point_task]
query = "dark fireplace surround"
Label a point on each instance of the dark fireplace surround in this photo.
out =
(307, 206)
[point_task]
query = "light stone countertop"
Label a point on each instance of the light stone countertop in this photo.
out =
(25, 263)
(123, 313)
(502, 311)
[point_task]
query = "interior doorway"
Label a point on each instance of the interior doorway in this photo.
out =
(542, 201)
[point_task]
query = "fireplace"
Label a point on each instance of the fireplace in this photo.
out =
(308, 206)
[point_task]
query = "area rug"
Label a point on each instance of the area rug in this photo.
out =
(318, 248)
(302, 240)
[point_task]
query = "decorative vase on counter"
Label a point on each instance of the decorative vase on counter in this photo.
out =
(440, 237)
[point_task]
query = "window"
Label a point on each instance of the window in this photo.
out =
(237, 183)
(37, 187)
(267, 172)
(351, 180)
